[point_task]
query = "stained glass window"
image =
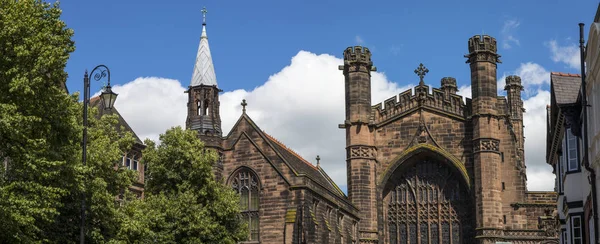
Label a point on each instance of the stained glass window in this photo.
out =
(426, 204)
(445, 231)
(412, 231)
(435, 238)
(455, 233)
(393, 233)
(245, 183)
(424, 234)
(403, 236)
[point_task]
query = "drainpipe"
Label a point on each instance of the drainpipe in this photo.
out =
(586, 160)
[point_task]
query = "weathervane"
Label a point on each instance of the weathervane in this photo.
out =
(421, 71)
(204, 11)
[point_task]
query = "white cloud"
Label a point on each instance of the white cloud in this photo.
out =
(539, 173)
(359, 40)
(533, 76)
(568, 54)
(542, 180)
(301, 105)
(161, 99)
(507, 32)
(464, 91)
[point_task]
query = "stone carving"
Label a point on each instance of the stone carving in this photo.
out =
(362, 152)
(486, 145)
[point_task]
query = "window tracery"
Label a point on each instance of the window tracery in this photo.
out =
(426, 204)
(245, 183)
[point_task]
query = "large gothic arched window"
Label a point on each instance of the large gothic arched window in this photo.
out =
(245, 183)
(426, 204)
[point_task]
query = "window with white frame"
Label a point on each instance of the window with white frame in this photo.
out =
(576, 230)
(564, 237)
(572, 150)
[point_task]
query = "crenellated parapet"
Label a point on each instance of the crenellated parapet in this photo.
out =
(483, 48)
(439, 100)
(357, 59)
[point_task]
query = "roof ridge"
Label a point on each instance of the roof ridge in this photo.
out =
(289, 150)
(565, 74)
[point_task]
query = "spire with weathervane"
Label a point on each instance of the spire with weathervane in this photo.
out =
(204, 70)
(203, 95)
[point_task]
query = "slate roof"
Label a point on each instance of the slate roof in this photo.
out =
(95, 102)
(204, 70)
(565, 87)
(301, 166)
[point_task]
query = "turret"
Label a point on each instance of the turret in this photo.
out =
(513, 90)
(487, 167)
(360, 149)
(357, 71)
(482, 58)
(449, 86)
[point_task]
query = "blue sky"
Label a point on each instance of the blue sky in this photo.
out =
(282, 57)
(251, 40)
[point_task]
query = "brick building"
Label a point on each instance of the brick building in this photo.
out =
(423, 167)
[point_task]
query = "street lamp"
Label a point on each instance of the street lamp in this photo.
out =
(108, 98)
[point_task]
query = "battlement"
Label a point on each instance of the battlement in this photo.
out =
(449, 82)
(483, 48)
(482, 43)
(408, 101)
(357, 54)
(360, 56)
(513, 80)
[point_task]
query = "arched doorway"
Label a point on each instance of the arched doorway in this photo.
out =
(426, 201)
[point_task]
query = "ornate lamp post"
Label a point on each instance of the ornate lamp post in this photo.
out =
(108, 98)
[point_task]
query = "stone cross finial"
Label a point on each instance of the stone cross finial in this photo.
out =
(421, 71)
(204, 11)
(244, 104)
(318, 160)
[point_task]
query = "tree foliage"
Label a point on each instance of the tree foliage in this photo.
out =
(184, 203)
(41, 176)
(38, 123)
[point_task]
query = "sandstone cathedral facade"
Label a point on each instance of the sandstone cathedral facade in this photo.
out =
(422, 167)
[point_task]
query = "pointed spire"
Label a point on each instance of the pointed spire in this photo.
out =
(204, 71)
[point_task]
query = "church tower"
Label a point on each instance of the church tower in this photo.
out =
(203, 96)
(482, 59)
(361, 154)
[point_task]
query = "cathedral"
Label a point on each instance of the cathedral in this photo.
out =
(424, 166)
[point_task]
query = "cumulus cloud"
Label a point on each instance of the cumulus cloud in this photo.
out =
(508, 36)
(533, 77)
(161, 99)
(539, 174)
(568, 54)
(301, 105)
(465, 91)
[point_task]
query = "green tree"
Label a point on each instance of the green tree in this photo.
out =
(38, 119)
(41, 174)
(183, 203)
